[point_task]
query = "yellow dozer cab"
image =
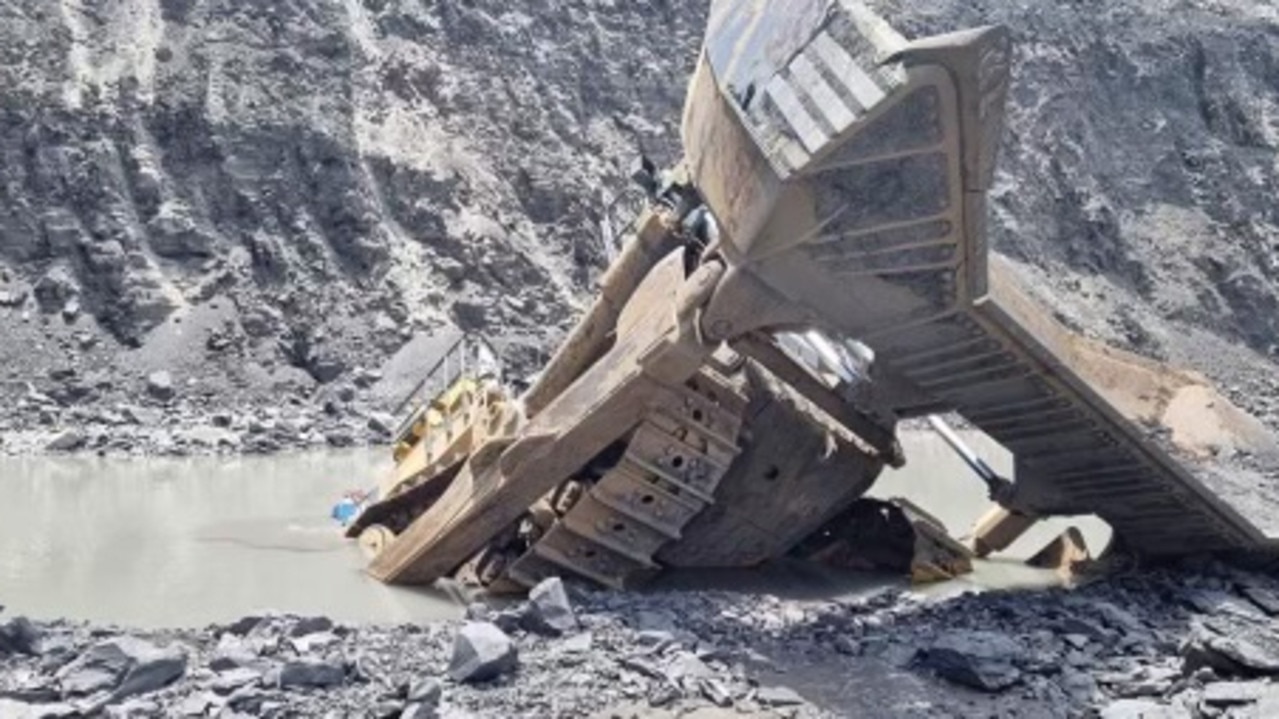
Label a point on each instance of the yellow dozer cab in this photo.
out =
(814, 271)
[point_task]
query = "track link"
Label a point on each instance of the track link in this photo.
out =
(668, 473)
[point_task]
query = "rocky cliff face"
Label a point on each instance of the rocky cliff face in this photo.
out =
(1138, 172)
(262, 197)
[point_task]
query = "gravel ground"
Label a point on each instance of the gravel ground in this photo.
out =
(1197, 641)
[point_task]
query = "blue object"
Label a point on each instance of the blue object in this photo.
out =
(345, 511)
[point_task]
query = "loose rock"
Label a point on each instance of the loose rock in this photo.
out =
(979, 659)
(549, 610)
(311, 674)
(67, 440)
(481, 652)
(160, 386)
(124, 666)
(19, 636)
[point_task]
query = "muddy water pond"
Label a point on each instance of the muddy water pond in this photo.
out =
(167, 542)
(164, 542)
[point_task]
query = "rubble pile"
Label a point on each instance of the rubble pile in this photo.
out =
(1198, 641)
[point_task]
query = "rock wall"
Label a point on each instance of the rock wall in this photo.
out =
(1138, 172)
(235, 191)
(262, 198)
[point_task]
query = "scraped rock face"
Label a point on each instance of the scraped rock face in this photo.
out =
(262, 197)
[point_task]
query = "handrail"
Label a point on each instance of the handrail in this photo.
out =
(467, 346)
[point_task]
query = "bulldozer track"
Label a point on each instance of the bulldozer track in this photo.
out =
(1074, 451)
(673, 462)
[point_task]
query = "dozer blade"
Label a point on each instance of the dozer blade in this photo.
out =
(847, 169)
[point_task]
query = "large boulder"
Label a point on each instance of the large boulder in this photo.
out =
(124, 666)
(548, 610)
(481, 652)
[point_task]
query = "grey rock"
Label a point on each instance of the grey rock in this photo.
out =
(481, 652)
(310, 625)
(311, 674)
(685, 666)
(655, 638)
(1078, 641)
(232, 651)
(426, 691)
(68, 440)
(15, 709)
(1229, 693)
(1214, 601)
(153, 670)
(382, 423)
(1264, 597)
(509, 620)
(12, 298)
(663, 693)
(1079, 686)
(1117, 617)
(71, 310)
(232, 679)
(19, 636)
(366, 378)
(244, 625)
(1141, 681)
(54, 289)
(715, 692)
(197, 704)
(1085, 627)
(339, 438)
(845, 644)
(479, 612)
(160, 386)
(643, 666)
(548, 610)
(310, 643)
(1143, 709)
(1249, 650)
(778, 697)
(327, 369)
(420, 711)
(124, 666)
(144, 416)
(80, 678)
(579, 643)
(655, 620)
(978, 659)
(1267, 705)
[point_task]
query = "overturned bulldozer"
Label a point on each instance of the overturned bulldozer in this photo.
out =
(813, 272)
